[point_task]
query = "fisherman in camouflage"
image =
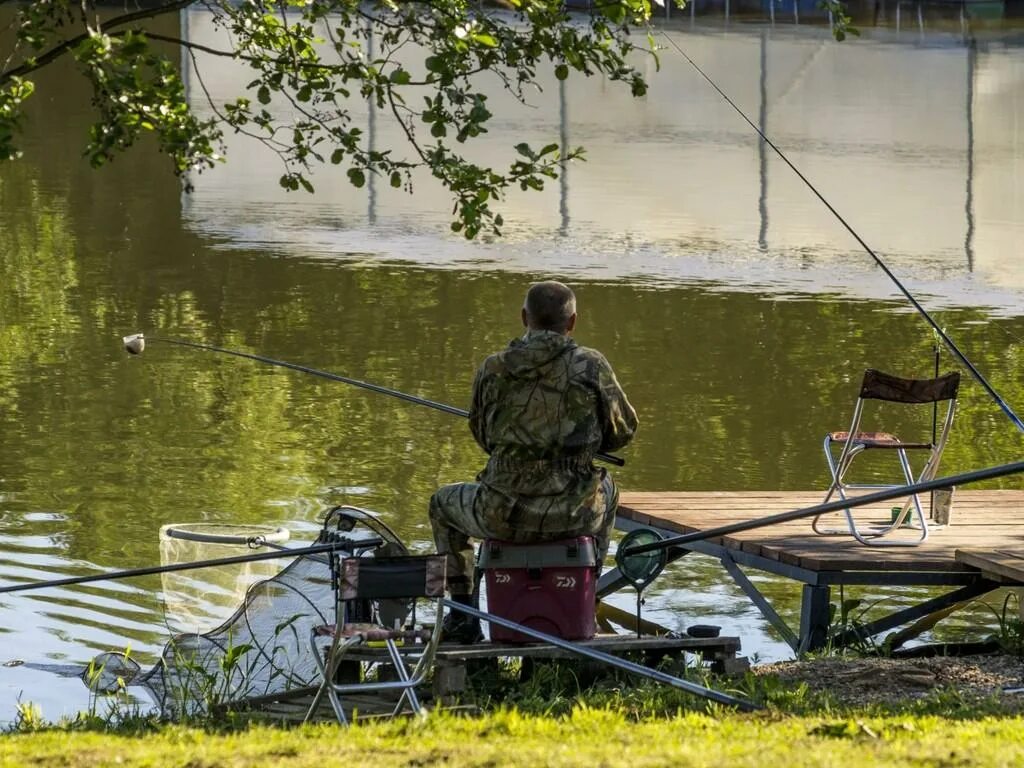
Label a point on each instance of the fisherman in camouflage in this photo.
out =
(541, 409)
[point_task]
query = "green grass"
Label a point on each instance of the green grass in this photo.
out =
(561, 717)
(585, 736)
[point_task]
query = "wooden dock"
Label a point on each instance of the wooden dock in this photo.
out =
(983, 523)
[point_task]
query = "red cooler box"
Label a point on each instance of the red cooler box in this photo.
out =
(549, 587)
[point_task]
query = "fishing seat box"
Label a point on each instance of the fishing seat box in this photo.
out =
(550, 587)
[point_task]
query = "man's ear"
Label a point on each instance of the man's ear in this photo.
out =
(522, 314)
(571, 324)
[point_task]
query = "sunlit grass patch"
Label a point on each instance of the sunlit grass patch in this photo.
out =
(585, 736)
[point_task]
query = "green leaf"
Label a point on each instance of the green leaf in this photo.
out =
(400, 76)
(484, 39)
(561, 71)
(396, 179)
(263, 95)
(357, 177)
(613, 10)
(548, 150)
(234, 653)
(337, 156)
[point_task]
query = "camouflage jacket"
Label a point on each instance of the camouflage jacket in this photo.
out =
(542, 408)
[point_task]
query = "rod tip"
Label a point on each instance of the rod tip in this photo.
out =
(134, 344)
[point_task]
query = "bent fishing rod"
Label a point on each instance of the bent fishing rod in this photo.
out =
(839, 505)
(344, 544)
(136, 343)
(950, 344)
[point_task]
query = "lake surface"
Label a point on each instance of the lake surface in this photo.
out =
(738, 314)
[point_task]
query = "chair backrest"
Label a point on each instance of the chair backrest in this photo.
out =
(379, 578)
(883, 386)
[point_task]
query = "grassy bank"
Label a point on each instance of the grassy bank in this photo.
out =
(818, 713)
(588, 737)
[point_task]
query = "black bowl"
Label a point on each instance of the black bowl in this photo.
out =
(703, 630)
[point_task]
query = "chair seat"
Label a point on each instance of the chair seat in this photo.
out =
(373, 633)
(875, 440)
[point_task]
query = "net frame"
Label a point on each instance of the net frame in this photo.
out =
(217, 533)
(185, 682)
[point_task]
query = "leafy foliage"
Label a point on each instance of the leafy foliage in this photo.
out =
(429, 64)
(842, 23)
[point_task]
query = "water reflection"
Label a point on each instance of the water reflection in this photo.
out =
(737, 314)
(679, 188)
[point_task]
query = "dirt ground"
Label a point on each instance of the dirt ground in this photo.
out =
(864, 681)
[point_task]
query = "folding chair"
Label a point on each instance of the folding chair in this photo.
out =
(853, 443)
(383, 584)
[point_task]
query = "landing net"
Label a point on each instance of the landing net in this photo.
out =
(262, 648)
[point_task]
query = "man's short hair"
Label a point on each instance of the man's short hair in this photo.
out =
(549, 306)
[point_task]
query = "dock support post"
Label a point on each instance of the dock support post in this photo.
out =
(759, 600)
(814, 617)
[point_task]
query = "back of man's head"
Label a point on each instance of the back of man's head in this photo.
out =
(550, 306)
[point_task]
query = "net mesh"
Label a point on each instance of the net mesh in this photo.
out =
(200, 600)
(262, 648)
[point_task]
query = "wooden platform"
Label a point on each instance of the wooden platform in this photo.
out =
(997, 564)
(450, 673)
(981, 520)
(982, 550)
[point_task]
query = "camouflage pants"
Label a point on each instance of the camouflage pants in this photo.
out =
(460, 512)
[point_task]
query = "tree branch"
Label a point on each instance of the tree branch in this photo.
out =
(277, 147)
(405, 128)
(199, 47)
(37, 62)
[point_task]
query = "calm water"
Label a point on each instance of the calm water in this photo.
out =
(738, 315)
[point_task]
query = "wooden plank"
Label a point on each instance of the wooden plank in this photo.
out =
(1007, 564)
(613, 644)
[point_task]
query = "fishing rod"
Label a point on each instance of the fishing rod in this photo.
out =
(606, 658)
(950, 344)
(136, 343)
(839, 505)
(341, 544)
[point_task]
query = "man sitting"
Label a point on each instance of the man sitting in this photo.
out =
(541, 409)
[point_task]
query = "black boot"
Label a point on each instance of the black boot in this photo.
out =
(461, 628)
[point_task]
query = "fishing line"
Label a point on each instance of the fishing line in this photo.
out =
(914, 302)
(136, 343)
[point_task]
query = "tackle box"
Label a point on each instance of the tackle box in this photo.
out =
(550, 587)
